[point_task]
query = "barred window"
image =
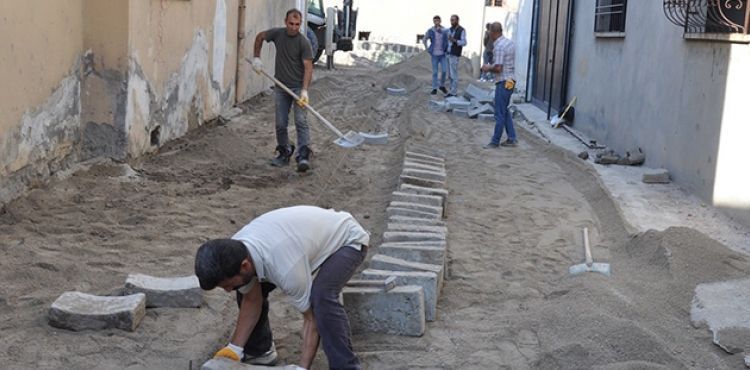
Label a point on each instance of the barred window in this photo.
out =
(493, 2)
(610, 16)
(710, 16)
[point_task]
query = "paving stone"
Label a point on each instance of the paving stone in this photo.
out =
(423, 243)
(415, 253)
(400, 311)
(226, 364)
(424, 157)
(461, 112)
(383, 262)
(404, 236)
(421, 181)
(409, 212)
(724, 308)
(486, 116)
(430, 200)
(427, 280)
(482, 109)
(166, 292)
(79, 311)
(385, 283)
(416, 221)
(479, 94)
(416, 189)
(437, 106)
(417, 207)
(417, 228)
(425, 162)
(422, 166)
(424, 174)
(397, 91)
(660, 176)
(375, 138)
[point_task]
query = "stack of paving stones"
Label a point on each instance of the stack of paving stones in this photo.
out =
(475, 103)
(80, 311)
(413, 252)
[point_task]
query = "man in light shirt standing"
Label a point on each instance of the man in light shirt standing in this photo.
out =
(284, 248)
(436, 43)
(503, 66)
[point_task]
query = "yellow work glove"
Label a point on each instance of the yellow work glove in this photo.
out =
(304, 99)
(230, 352)
(510, 84)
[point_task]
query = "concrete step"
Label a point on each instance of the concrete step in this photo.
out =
(166, 292)
(80, 311)
(427, 280)
(399, 311)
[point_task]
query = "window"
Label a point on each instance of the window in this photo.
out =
(724, 20)
(493, 2)
(610, 16)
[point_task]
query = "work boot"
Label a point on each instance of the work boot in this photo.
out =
(283, 158)
(267, 359)
(433, 92)
(303, 158)
(443, 89)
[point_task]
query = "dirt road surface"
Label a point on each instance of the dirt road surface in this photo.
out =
(514, 221)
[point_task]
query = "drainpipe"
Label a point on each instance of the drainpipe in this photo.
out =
(240, 49)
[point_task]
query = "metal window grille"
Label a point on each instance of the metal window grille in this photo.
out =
(610, 16)
(493, 2)
(709, 16)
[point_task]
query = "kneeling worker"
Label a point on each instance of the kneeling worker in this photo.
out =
(283, 248)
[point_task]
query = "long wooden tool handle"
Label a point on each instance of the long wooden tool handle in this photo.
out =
(293, 95)
(589, 259)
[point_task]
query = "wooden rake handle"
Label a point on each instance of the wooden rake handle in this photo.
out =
(589, 258)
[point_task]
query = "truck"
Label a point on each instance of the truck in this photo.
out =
(344, 27)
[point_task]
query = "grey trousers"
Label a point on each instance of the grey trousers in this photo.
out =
(284, 102)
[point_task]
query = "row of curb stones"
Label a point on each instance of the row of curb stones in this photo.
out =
(413, 252)
(80, 311)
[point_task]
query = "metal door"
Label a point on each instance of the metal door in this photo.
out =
(552, 21)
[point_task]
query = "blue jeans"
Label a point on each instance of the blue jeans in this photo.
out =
(453, 73)
(438, 60)
(284, 102)
(503, 119)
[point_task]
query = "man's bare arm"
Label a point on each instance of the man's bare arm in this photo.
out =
(310, 339)
(308, 73)
(259, 43)
(250, 309)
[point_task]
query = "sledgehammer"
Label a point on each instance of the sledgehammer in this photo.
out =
(589, 265)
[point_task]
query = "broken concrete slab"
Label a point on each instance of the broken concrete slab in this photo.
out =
(80, 311)
(405, 236)
(415, 221)
(383, 262)
(416, 189)
(427, 280)
(166, 292)
(429, 200)
(417, 206)
(400, 311)
(410, 212)
(660, 176)
(226, 364)
(424, 174)
(424, 157)
(415, 253)
(482, 109)
(724, 308)
(416, 228)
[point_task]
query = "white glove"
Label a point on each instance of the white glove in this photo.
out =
(257, 65)
(304, 99)
(231, 352)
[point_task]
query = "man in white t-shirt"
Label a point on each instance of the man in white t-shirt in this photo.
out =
(284, 248)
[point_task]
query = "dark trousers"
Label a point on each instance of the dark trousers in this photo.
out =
(330, 316)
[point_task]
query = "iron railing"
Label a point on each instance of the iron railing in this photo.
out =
(709, 16)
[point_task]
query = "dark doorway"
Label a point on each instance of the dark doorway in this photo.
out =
(552, 25)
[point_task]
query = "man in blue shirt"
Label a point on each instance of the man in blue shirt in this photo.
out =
(437, 36)
(457, 41)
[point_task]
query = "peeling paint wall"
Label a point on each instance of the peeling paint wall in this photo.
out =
(40, 95)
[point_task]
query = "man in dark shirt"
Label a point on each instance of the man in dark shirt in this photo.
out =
(294, 69)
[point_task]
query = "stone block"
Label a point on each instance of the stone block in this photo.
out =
(425, 161)
(79, 311)
(416, 221)
(424, 243)
(437, 106)
(415, 253)
(461, 112)
(430, 200)
(424, 174)
(417, 207)
(479, 94)
(723, 308)
(397, 91)
(375, 138)
(383, 262)
(417, 228)
(421, 182)
(660, 176)
(226, 364)
(385, 283)
(400, 311)
(422, 166)
(409, 212)
(409, 188)
(426, 280)
(404, 236)
(486, 116)
(166, 292)
(485, 108)
(424, 157)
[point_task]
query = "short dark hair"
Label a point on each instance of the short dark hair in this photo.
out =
(456, 15)
(436, 17)
(218, 260)
(293, 11)
(496, 27)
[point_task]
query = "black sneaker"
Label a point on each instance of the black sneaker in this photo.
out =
(443, 89)
(433, 92)
(282, 159)
(490, 146)
(509, 143)
(449, 96)
(267, 359)
(303, 158)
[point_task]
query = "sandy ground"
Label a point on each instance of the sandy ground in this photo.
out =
(514, 218)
